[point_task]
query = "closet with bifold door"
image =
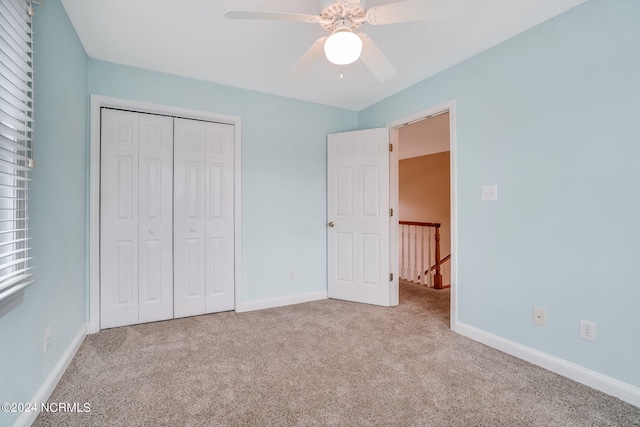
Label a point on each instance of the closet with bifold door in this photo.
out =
(166, 217)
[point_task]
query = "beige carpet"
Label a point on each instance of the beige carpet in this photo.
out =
(325, 363)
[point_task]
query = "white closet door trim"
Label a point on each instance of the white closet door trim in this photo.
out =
(98, 102)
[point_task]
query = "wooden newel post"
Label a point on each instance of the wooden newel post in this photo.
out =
(437, 277)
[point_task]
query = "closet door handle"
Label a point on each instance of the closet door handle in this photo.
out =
(152, 230)
(192, 229)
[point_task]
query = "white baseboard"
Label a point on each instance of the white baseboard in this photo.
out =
(593, 379)
(44, 392)
(282, 301)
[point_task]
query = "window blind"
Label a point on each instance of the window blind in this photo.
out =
(16, 145)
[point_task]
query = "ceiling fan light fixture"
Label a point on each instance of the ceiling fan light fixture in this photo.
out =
(343, 47)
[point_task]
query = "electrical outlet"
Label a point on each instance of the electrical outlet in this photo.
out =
(587, 330)
(292, 276)
(47, 338)
(539, 316)
(489, 193)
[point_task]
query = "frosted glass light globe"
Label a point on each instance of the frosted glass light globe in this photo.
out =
(343, 47)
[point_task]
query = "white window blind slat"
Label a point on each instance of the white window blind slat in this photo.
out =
(14, 110)
(12, 31)
(15, 230)
(13, 135)
(14, 177)
(16, 136)
(14, 274)
(21, 82)
(16, 241)
(9, 220)
(17, 251)
(9, 55)
(14, 279)
(12, 155)
(12, 188)
(20, 285)
(16, 87)
(15, 124)
(13, 263)
(15, 12)
(19, 100)
(17, 145)
(9, 165)
(13, 199)
(13, 37)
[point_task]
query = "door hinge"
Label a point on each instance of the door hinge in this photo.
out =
(391, 212)
(390, 147)
(391, 277)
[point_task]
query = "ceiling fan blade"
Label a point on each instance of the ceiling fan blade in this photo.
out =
(373, 58)
(412, 10)
(307, 60)
(272, 16)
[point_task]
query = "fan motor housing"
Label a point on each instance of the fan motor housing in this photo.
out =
(334, 11)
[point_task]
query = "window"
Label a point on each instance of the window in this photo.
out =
(16, 147)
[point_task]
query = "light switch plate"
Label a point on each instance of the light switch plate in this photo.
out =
(489, 193)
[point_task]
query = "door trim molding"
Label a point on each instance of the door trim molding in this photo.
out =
(98, 102)
(393, 127)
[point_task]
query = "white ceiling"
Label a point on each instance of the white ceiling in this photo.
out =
(191, 38)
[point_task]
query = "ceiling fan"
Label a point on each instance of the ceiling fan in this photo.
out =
(341, 18)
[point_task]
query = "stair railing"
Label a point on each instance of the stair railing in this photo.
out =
(414, 236)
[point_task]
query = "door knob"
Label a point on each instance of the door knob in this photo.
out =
(152, 230)
(331, 224)
(192, 229)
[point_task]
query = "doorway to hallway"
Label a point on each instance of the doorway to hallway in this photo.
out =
(423, 190)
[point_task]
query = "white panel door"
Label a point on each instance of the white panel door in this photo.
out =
(136, 225)
(188, 214)
(219, 193)
(203, 218)
(358, 216)
(156, 218)
(119, 219)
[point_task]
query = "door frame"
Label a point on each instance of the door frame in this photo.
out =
(394, 126)
(98, 102)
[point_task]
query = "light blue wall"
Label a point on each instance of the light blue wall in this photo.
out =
(58, 214)
(552, 117)
(283, 171)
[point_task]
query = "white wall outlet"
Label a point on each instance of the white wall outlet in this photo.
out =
(47, 338)
(539, 316)
(587, 330)
(489, 193)
(292, 276)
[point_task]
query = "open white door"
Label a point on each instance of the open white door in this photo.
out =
(358, 216)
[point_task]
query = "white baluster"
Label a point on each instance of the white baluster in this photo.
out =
(404, 252)
(429, 264)
(415, 255)
(407, 252)
(402, 260)
(409, 267)
(422, 273)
